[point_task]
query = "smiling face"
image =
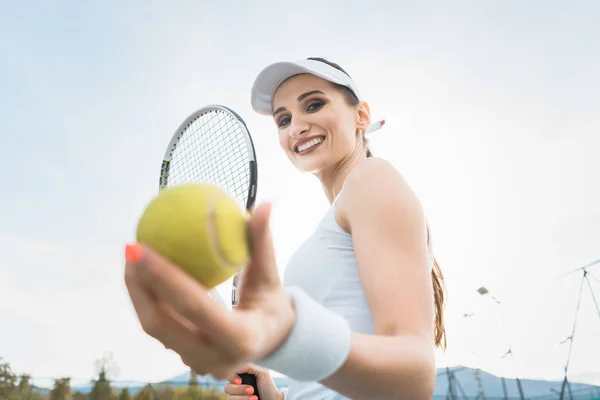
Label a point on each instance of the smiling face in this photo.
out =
(318, 126)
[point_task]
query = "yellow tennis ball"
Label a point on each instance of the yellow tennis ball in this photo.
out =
(199, 228)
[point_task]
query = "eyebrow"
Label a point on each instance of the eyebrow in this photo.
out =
(300, 98)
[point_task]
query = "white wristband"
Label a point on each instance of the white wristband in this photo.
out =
(317, 346)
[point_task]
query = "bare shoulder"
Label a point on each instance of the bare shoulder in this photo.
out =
(375, 187)
(389, 236)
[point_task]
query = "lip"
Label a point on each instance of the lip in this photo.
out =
(305, 140)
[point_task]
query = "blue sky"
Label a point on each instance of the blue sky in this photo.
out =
(492, 115)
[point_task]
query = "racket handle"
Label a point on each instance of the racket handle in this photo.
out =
(250, 379)
(247, 379)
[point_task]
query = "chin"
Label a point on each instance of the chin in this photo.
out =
(312, 166)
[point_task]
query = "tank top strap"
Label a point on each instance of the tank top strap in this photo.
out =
(337, 198)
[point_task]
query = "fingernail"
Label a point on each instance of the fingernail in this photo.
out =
(250, 390)
(253, 398)
(238, 381)
(133, 253)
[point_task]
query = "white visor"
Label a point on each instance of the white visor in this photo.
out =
(269, 79)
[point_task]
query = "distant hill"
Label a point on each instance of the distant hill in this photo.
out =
(466, 385)
(493, 388)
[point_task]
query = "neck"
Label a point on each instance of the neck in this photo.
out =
(333, 178)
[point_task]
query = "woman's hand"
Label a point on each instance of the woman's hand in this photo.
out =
(264, 381)
(178, 311)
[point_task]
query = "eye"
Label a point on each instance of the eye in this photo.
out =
(283, 121)
(315, 105)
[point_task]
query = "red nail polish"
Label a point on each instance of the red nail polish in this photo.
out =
(133, 253)
(250, 390)
(238, 381)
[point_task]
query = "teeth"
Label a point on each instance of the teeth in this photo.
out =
(310, 144)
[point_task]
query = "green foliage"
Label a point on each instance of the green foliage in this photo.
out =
(80, 396)
(24, 385)
(61, 389)
(7, 381)
(146, 393)
(101, 389)
(13, 387)
(20, 387)
(193, 389)
(166, 393)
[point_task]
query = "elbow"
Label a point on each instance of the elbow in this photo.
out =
(422, 384)
(429, 374)
(428, 387)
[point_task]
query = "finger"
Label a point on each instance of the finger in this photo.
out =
(145, 305)
(246, 369)
(186, 296)
(235, 378)
(239, 390)
(159, 323)
(261, 270)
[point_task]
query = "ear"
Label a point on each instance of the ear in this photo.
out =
(363, 116)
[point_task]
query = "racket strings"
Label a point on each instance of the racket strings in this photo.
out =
(213, 150)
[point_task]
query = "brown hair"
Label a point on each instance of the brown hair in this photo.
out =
(436, 273)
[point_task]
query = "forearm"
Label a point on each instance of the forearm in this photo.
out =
(396, 366)
(386, 367)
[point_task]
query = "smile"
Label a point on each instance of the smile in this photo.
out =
(309, 146)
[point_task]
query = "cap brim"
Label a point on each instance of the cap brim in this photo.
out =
(269, 79)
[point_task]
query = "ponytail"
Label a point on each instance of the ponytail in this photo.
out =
(437, 279)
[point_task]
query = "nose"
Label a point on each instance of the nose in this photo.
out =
(298, 127)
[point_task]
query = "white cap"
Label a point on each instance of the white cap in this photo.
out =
(269, 79)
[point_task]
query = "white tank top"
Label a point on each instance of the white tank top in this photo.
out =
(325, 267)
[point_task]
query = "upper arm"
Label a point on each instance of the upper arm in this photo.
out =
(390, 241)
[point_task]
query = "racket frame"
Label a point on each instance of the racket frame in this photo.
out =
(180, 132)
(253, 167)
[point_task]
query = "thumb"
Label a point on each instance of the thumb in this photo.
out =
(261, 271)
(260, 373)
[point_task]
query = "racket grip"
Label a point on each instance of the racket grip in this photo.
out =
(250, 379)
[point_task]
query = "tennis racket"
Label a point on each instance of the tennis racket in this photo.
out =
(213, 146)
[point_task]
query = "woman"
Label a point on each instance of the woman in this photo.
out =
(360, 309)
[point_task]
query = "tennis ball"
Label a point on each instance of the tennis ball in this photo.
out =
(199, 228)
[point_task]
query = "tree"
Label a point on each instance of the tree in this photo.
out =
(193, 389)
(107, 364)
(25, 388)
(61, 389)
(101, 389)
(166, 393)
(24, 384)
(80, 396)
(146, 393)
(125, 395)
(7, 380)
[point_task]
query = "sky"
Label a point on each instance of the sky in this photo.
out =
(492, 115)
